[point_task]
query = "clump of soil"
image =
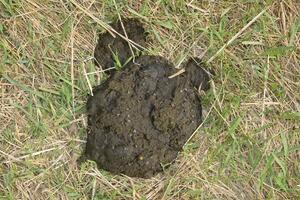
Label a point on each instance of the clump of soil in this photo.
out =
(139, 118)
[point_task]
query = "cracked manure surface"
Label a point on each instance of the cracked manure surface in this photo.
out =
(139, 119)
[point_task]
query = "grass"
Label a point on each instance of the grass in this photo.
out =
(248, 145)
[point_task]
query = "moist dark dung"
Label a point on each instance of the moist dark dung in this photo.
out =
(109, 47)
(139, 118)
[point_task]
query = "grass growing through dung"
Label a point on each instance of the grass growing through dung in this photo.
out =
(248, 146)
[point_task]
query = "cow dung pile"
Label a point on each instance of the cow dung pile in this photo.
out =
(140, 117)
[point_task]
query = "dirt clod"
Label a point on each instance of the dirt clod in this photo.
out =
(139, 119)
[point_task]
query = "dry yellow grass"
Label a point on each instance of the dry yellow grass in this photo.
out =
(248, 146)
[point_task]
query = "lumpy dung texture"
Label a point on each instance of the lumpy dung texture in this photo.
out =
(139, 118)
(109, 47)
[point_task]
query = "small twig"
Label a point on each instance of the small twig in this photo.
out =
(100, 71)
(10, 156)
(177, 73)
(30, 155)
(205, 12)
(87, 78)
(94, 189)
(259, 104)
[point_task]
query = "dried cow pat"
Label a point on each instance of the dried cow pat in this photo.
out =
(139, 118)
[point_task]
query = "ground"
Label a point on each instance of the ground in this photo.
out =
(247, 146)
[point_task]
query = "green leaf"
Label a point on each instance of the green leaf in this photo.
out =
(285, 144)
(67, 27)
(290, 115)
(280, 163)
(157, 36)
(137, 14)
(167, 24)
(280, 180)
(267, 170)
(234, 125)
(294, 30)
(254, 156)
(118, 64)
(279, 51)
(1, 28)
